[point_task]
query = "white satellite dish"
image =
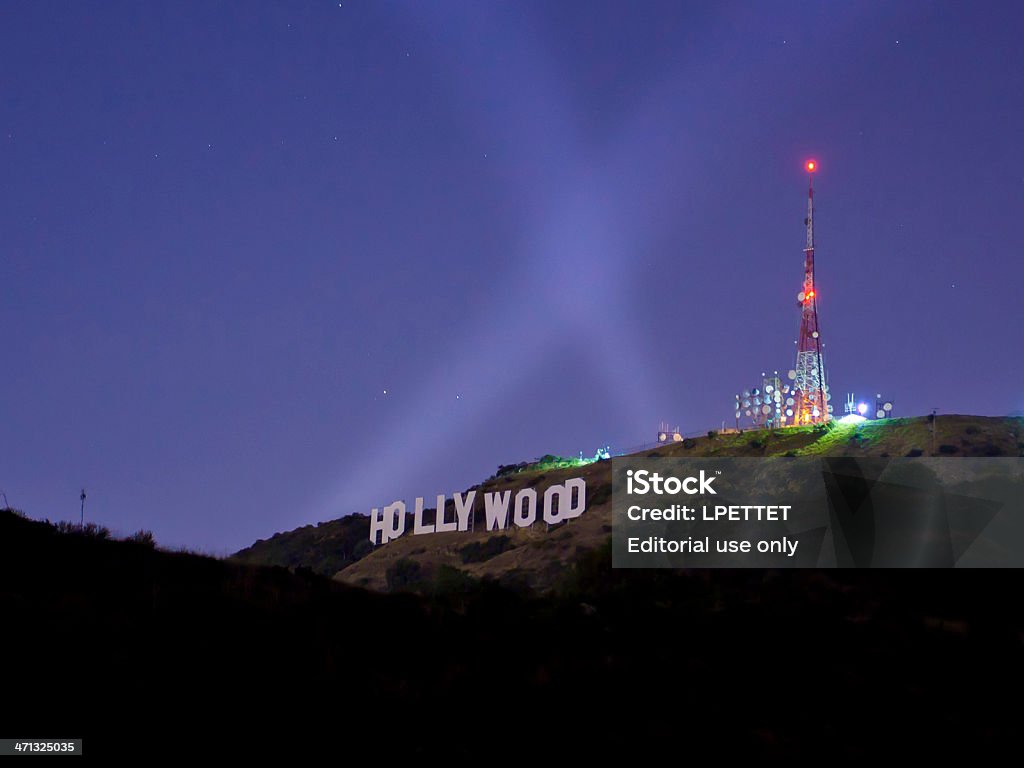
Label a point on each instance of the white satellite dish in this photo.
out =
(789, 411)
(791, 374)
(814, 335)
(879, 414)
(749, 413)
(676, 437)
(662, 437)
(816, 413)
(746, 403)
(746, 393)
(766, 409)
(800, 296)
(790, 401)
(887, 407)
(769, 388)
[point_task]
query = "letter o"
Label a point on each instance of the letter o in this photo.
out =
(525, 515)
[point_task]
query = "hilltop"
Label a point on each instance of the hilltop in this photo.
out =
(537, 558)
(128, 644)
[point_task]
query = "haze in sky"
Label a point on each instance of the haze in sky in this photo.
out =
(265, 264)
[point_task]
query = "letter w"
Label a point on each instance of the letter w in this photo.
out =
(497, 516)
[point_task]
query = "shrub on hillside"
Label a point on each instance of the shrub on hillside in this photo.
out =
(89, 529)
(481, 551)
(362, 549)
(404, 575)
(452, 581)
(143, 537)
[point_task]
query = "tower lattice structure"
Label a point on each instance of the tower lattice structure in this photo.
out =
(810, 390)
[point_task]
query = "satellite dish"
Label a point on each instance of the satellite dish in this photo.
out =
(662, 437)
(791, 374)
(757, 401)
(766, 409)
(746, 393)
(887, 407)
(814, 335)
(828, 395)
(800, 296)
(676, 437)
(768, 389)
(785, 389)
(746, 403)
(790, 401)
(830, 409)
(816, 413)
(737, 397)
(789, 411)
(879, 414)
(748, 412)
(755, 391)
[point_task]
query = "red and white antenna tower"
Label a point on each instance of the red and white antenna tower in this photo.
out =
(810, 391)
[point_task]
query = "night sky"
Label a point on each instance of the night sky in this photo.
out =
(269, 263)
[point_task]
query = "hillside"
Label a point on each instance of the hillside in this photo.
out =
(129, 646)
(537, 558)
(324, 548)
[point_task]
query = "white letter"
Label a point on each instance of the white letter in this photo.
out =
(525, 517)
(376, 526)
(497, 516)
(572, 511)
(550, 516)
(464, 508)
(417, 519)
(394, 518)
(441, 526)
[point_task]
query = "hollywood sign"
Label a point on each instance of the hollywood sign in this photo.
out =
(561, 502)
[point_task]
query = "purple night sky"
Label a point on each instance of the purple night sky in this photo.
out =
(227, 228)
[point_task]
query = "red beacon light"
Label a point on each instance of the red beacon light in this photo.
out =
(811, 166)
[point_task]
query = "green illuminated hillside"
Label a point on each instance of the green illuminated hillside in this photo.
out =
(538, 558)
